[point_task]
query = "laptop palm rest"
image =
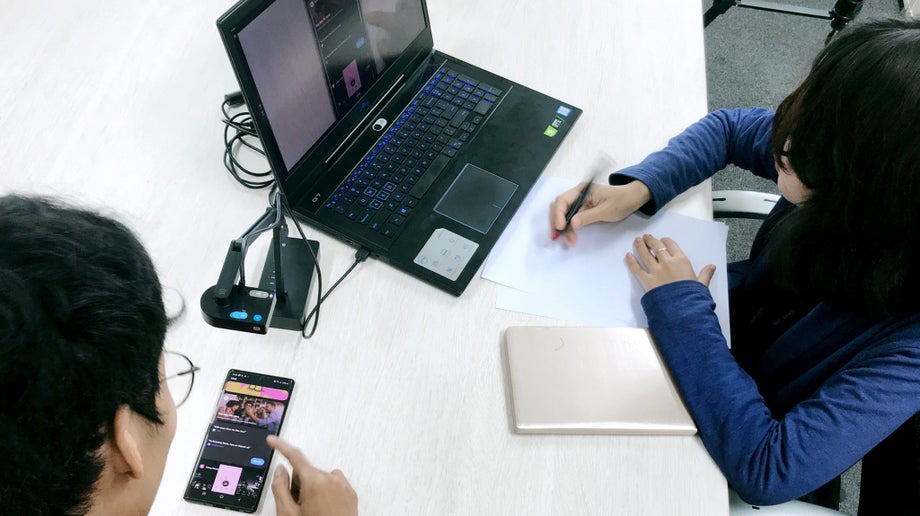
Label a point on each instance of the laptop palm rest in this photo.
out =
(476, 198)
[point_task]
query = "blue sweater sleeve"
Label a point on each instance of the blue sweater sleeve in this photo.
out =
(768, 460)
(741, 137)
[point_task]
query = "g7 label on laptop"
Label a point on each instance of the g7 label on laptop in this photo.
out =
(446, 253)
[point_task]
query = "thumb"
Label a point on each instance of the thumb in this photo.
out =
(281, 489)
(706, 274)
(587, 216)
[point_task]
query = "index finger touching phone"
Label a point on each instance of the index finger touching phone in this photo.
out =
(293, 454)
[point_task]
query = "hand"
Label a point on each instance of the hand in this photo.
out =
(664, 263)
(604, 203)
(312, 491)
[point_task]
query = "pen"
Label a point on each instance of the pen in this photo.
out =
(603, 163)
(573, 209)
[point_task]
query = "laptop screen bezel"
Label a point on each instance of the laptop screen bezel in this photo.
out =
(314, 165)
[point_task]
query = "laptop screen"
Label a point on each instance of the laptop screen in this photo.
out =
(313, 60)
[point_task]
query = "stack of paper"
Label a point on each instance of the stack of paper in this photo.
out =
(589, 283)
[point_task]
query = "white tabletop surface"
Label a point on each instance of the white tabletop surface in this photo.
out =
(114, 104)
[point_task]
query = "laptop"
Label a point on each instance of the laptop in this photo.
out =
(574, 380)
(383, 142)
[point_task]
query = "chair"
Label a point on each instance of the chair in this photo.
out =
(843, 12)
(890, 478)
(742, 204)
(738, 507)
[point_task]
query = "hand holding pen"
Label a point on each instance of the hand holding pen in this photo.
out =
(591, 202)
(573, 209)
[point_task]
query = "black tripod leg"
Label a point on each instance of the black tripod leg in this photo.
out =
(844, 12)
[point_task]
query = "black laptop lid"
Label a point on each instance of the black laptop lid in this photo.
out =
(314, 72)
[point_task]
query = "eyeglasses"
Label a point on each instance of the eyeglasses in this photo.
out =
(180, 375)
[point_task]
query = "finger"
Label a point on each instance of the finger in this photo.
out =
(706, 274)
(654, 245)
(284, 501)
(643, 253)
(290, 452)
(584, 217)
(635, 267)
(561, 206)
(303, 471)
(672, 247)
(553, 232)
(587, 216)
(571, 237)
(557, 212)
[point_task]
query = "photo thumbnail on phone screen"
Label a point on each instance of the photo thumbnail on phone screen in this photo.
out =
(234, 458)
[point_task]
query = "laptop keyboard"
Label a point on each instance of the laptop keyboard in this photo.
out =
(383, 190)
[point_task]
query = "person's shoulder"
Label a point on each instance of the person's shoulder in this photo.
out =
(898, 336)
(745, 123)
(745, 113)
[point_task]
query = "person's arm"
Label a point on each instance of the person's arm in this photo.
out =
(741, 137)
(768, 460)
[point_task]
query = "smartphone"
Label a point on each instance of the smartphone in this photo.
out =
(233, 462)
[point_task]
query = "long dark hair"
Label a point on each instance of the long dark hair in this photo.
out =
(851, 133)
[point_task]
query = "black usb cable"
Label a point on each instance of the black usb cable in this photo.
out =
(239, 131)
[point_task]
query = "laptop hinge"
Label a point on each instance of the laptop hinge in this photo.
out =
(348, 140)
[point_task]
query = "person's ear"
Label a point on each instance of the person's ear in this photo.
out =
(126, 453)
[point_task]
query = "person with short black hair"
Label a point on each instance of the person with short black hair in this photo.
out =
(87, 421)
(825, 313)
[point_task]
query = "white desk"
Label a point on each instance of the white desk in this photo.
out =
(114, 104)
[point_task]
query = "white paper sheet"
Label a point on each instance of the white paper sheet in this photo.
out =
(590, 283)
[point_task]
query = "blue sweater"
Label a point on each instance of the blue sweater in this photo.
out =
(807, 390)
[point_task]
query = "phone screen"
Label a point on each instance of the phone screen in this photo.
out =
(233, 462)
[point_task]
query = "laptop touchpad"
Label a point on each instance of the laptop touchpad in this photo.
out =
(476, 198)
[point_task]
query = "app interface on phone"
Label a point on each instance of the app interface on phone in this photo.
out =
(235, 458)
